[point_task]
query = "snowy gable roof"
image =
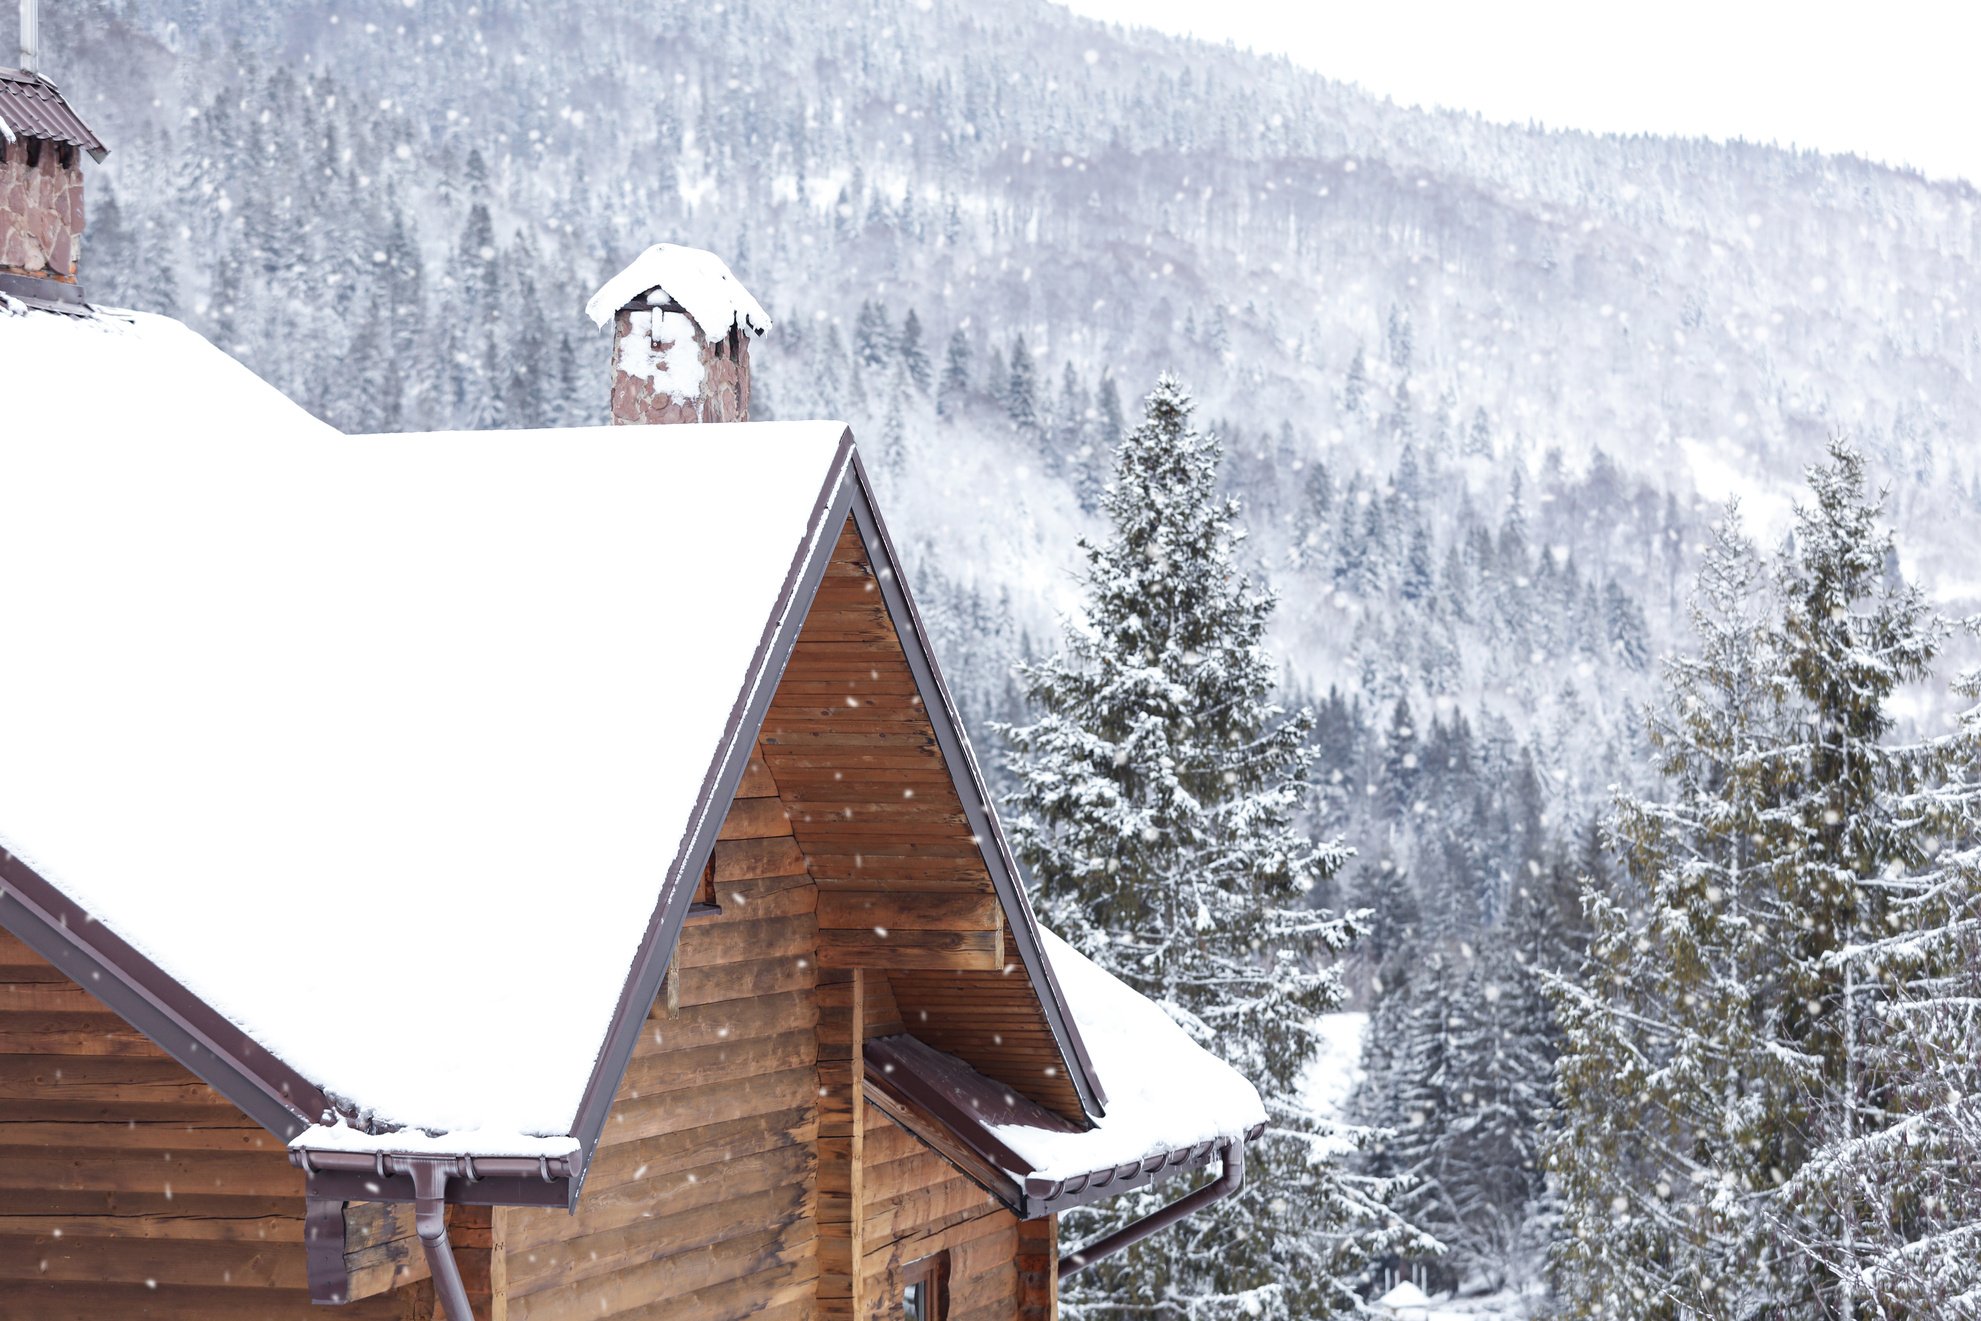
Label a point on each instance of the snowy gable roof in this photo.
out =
(309, 721)
(699, 281)
(1172, 1105)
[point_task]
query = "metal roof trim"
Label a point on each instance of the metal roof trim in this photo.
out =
(33, 107)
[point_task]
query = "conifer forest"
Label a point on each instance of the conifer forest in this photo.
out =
(1479, 622)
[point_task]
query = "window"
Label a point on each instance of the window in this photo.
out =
(925, 1289)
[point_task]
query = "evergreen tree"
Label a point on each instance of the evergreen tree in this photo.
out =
(1845, 851)
(1021, 391)
(1741, 1075)
(1356, 386)
(955, 374)
(873, 337)
(914, 358)
(1676, 1082)
(1155, 802)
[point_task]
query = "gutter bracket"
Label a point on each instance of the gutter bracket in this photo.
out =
(430, 1176)
(323, 1237)
(1228, 1181)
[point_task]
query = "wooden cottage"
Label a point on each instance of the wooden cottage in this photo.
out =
(527, 875)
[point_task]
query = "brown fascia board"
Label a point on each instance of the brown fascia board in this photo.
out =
(145, 996)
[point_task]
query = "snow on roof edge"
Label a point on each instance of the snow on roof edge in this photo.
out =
(417, 1142)
(1166, 1093)
(697, 279)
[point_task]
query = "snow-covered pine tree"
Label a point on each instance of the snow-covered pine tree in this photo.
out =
(1021, 390)
(1679, 1091)
(1155, 802)
(873, 337)
(1913, 1158)
(914, 358)
(955, 374)
(1749, 1128)
(1861, 895)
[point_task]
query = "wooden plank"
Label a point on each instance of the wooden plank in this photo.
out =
(857, 1214)
(883, 947)
(741, 940)
(36, 1300)
(909, 910)
(635, 1118)
(755, 818)
(750, 859)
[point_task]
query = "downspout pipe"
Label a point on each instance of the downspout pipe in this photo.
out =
(430, 1176)
(430, 1221)
(1228, 1181)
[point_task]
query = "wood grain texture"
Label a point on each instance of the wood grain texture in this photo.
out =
(129, 1188)
(903, 887)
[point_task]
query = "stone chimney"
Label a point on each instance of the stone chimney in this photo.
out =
(41, 180)
(681, 332)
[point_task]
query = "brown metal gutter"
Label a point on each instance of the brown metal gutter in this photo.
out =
(336, 1177)
(1229, 1181)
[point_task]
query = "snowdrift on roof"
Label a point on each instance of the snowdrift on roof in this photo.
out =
(320, 723)
(1165, 1092)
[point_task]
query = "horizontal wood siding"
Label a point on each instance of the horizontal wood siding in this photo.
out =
(902, 882)
(129, 1188)
(702, 1198)
(918, 1204)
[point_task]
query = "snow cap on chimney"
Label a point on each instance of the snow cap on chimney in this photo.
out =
(682, 327)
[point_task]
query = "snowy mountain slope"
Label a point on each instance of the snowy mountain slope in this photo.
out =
(1494, 342)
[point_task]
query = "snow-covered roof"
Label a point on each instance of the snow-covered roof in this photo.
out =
(1171, 1103)
(311, 747)
(699, 281)
(1164, 1092)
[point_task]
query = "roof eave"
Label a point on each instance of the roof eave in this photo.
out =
(896, 1075)
(156, 1004)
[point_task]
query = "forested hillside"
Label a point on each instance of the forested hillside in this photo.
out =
(1482, 388)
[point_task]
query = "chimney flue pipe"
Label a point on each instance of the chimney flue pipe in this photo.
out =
(30, 34)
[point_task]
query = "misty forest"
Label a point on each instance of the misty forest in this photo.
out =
(1472, 619)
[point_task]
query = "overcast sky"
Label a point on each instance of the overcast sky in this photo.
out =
(1894, 80)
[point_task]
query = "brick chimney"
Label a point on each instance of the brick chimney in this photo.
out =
(681, 332)
(41, 180)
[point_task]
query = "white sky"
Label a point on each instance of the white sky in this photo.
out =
(1895, 80)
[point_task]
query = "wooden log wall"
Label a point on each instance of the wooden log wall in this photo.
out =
(702, 1200)
(131, 1189)
(917, 1205)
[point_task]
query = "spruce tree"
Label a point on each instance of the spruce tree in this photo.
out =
(1746, 1084)
(1156, 803)
(1021, 391)
(914, 358)
(955, 375)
